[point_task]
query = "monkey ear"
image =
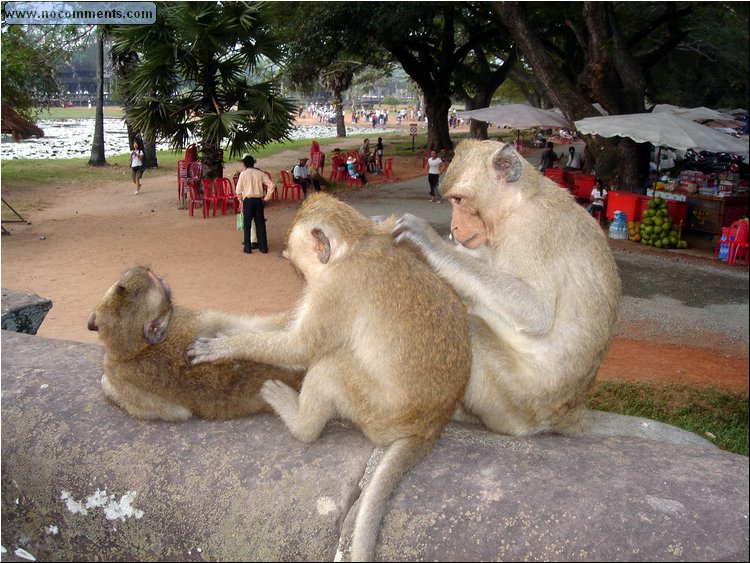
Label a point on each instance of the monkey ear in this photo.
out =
(507, 164)
(322, 245)
(155, 332)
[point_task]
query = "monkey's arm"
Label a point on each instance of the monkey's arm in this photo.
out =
(281, 348)
(477, 280)
(214, 323)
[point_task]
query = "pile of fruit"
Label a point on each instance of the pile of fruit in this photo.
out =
(657, 227)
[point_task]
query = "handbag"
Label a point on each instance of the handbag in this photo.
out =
(240, 221)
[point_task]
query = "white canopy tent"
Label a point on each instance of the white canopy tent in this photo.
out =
(663, 129)
(517, 116)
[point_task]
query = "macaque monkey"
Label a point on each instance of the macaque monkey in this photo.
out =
(146, 370)
(540, 282)
(385, 344)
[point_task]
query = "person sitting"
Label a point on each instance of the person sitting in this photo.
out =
(351, 163)
(598, 198)
(301, 174)
(574, 160)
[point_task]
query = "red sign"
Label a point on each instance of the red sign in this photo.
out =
(413, 129)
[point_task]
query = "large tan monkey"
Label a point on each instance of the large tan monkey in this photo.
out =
(146, 369)
(384, 341)
(539, 278)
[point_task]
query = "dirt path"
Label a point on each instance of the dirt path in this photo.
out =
(88, 235)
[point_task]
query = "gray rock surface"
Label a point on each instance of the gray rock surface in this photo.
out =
(82, 480)
(23, 311)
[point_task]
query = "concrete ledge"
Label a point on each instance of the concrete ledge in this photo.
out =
(23, 311)
(82, 480)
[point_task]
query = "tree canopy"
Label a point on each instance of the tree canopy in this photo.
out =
(194, 78)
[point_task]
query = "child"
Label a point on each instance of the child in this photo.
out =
(136, 166)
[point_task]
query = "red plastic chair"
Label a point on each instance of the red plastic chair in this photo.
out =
(423, 157)
(290, 187)
(275, 195)
(388, 167)
(336, 174)
(182, 176)
(210, 194)
(225, 193)
(354, 181)
(317, 161)
(196, 198)
(737, 240)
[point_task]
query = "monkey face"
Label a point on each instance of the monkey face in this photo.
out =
(467, 226)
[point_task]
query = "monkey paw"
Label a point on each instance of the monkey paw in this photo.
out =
(281, 397)
(415, 230)
(206, 349)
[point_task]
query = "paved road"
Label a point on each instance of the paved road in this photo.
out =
(679, 297)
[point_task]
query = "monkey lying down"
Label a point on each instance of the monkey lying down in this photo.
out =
(385, 344)
(146, 370)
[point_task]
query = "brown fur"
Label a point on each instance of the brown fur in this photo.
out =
(384, 341)
(539, 278)
(146, 369)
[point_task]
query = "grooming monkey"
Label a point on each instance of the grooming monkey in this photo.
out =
(385, 344)
(541, 284)
(146, 370)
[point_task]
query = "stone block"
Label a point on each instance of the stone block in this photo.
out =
(82, 480)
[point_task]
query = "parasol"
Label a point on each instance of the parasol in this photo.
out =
(662, 129)
(517, 116)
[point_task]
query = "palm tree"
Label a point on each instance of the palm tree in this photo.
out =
(192, 79)
(337, 80)
(97, 146)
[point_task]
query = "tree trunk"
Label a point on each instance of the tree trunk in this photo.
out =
(213, 161)
(438, 132)
(97, 147)
(149, 153)
(610, 73)
(340, 121)
(478, 129)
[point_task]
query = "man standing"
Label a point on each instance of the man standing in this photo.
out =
(251, 193)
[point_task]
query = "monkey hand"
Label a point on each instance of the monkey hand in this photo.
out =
(417, 231)
(206, 349)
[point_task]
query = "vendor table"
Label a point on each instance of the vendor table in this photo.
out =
(708, 213)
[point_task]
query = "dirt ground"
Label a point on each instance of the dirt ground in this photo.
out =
(88, 235)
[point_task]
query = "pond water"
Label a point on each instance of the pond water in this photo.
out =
(72, 138)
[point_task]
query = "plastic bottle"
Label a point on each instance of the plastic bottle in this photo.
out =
(724, 248)
(615, 228)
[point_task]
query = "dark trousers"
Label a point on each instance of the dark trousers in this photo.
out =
(252, 210)
(434, 180)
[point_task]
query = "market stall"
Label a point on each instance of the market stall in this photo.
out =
(712, 201)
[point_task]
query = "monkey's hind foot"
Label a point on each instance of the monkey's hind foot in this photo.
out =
(281, 397)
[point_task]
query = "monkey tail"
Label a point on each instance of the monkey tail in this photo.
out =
(401, 456)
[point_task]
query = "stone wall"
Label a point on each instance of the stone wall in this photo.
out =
(82, 480)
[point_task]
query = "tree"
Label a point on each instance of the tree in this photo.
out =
(29, 57)
(193, 78)
(337, 80)
(606, 52)
(97, 146)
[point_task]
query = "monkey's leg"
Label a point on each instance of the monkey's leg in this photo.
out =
(306, 414)
(142, 404)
